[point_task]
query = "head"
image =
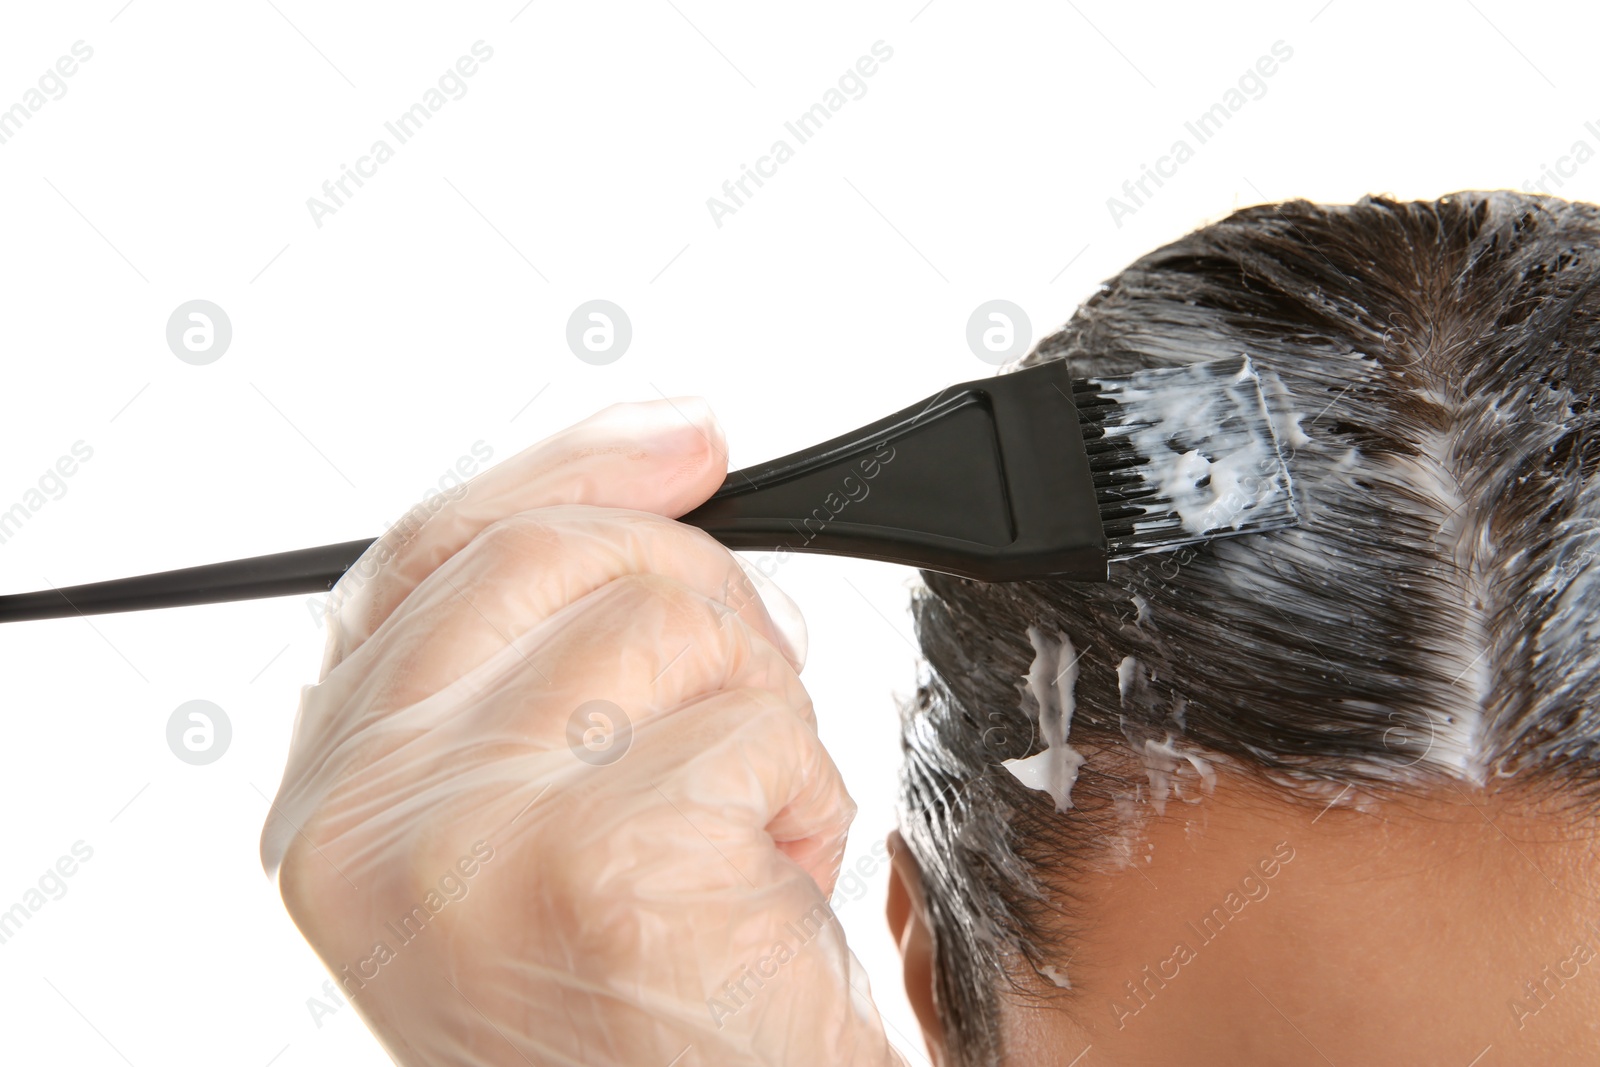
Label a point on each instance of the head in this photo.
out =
(1338, 782)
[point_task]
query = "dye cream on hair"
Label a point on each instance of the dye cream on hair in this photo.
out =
(1051, 679)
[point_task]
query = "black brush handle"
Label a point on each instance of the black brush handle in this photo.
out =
(305, 570)
(988, 480)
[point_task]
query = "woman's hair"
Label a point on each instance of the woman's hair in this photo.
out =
(1429, 368)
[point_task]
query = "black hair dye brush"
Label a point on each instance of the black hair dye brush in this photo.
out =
(1033, 474)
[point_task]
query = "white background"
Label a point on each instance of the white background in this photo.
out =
(428, 313)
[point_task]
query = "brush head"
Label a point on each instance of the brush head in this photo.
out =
(1183, 454)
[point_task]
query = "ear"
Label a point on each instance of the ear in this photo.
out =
(908, 923)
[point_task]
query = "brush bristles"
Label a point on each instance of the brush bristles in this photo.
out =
(1183, 454)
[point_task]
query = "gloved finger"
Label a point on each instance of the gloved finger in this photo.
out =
(737, 770)
(715, 720)
(524, 568)
(746, 774)
(664, 456)
(718, 834)
(782, 609)
(643, 644)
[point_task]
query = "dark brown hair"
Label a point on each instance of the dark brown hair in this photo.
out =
(1430, 367)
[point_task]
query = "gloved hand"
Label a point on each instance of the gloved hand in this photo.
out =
(558, 797)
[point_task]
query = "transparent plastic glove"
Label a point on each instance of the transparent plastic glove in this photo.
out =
(558, 797)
